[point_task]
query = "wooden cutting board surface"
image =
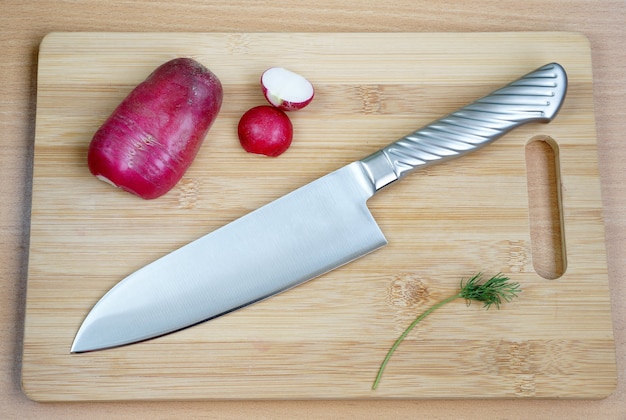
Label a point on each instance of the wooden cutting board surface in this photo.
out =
(326, 338)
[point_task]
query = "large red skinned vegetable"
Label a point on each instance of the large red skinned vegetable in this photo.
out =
(150, 140)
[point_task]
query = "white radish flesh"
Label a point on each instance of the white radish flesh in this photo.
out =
(285, 89)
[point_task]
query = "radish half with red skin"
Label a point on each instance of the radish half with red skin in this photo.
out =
(285, 89)
(152, 137)
(265, 130)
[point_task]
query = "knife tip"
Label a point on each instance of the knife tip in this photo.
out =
(77, 347)
(84, 342)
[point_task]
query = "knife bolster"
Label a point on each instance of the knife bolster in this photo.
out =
(379, 169)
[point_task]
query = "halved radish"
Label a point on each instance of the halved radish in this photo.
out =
(265, 130)
(285, 89)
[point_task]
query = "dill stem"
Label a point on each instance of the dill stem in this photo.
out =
(406, 332)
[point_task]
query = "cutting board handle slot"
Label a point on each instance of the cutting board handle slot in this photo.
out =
(545, 207)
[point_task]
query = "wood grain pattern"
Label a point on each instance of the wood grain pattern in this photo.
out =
(324, 339)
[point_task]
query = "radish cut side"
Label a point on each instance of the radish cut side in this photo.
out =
(285, 89)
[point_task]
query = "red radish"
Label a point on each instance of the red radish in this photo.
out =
(151, 138)
(265, 130)
(285, 89)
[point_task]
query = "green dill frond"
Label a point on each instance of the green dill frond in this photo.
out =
(498, 289)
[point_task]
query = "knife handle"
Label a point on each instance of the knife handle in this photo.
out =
(536, 97)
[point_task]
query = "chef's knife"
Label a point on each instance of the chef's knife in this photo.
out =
(306, 233)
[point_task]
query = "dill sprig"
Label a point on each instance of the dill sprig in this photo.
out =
(495, 291)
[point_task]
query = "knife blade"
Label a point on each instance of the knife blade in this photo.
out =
(307, 232)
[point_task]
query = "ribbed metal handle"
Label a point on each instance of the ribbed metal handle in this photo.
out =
(536, 97)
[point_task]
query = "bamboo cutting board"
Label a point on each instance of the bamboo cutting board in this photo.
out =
(326, 338)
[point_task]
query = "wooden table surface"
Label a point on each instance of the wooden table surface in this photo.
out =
(24, 24)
